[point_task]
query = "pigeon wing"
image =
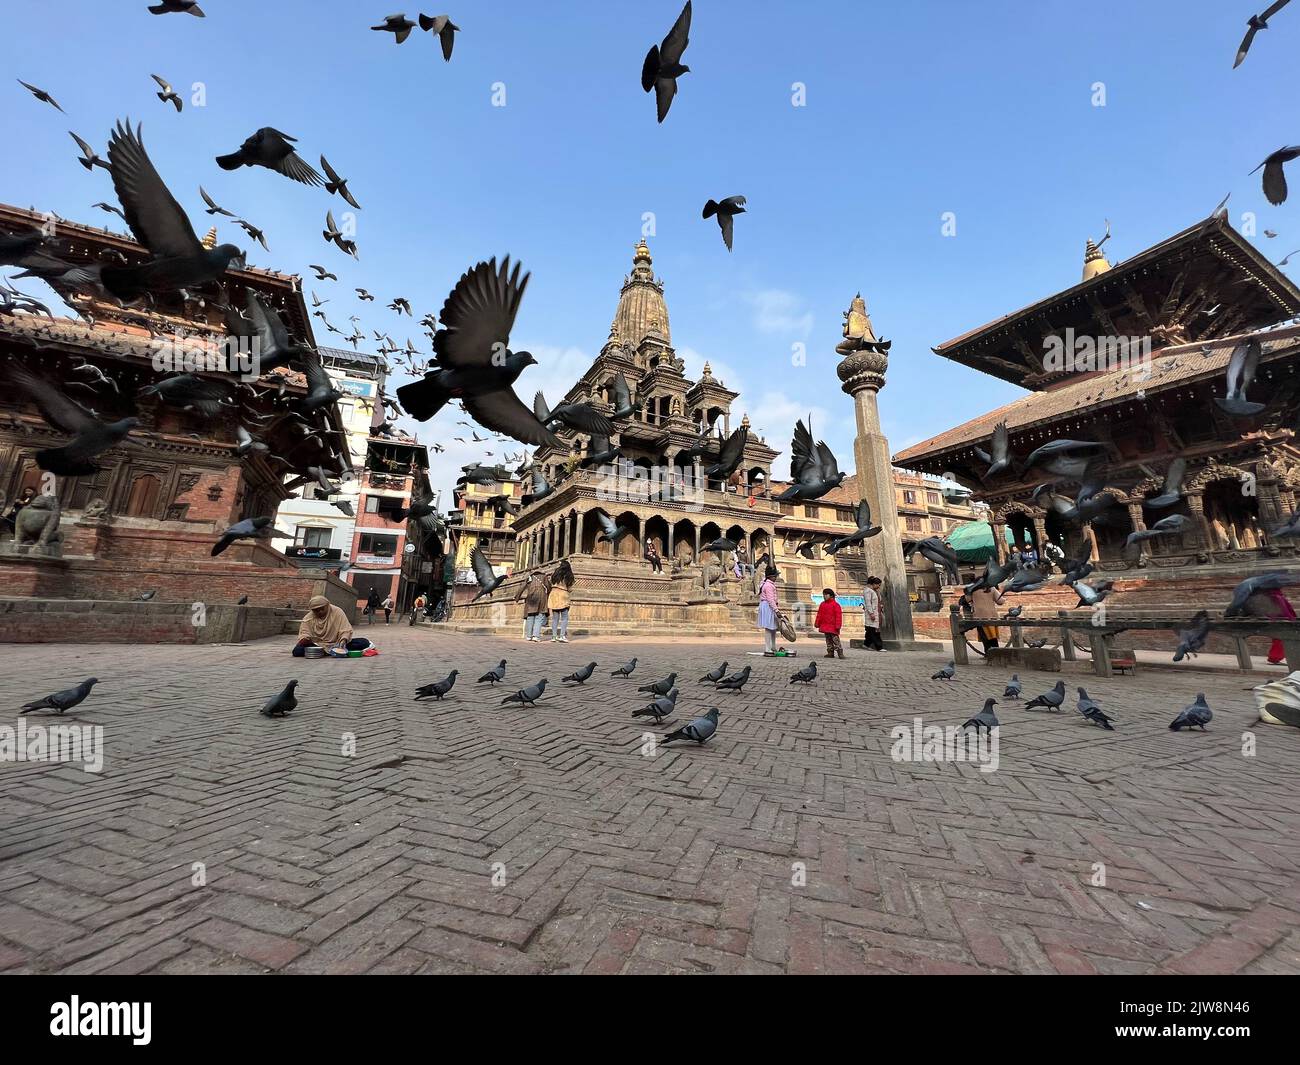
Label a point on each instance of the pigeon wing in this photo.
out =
(830, 469)
(502, 412)
(56, 408)
(317, 378)
(296, 167)
(733, 449)
(585, 417)
(670, 52)
(156, 219)
(1000, 442)
(864, 514)
(478, 314)
(622, 393)
(482, 567)
(801, 452)
(665, 90)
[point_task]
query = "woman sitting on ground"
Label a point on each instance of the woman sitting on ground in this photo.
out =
(326, 626)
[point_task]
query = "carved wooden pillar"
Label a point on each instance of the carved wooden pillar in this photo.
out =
(1090, 542)
(1135, 520)
(1040, 533)
(1000, 541)
(1196, 504)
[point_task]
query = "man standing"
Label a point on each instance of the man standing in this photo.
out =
(871, 609)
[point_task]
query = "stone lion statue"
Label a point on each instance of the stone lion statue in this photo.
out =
(95, 509)
(36, 528)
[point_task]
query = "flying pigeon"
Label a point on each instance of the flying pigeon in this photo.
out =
(660, 708)
(168, 94)
(322, 274)
(1241, 605)
(736, 681)
(1066, 458)
(1196, 715)
(177, 7)
(1170, 526)
(487, 579)
(88, 157)
(947, 673)
(438, 688)
(541, 487)
(806, 675)
(714, 675)
(446, 31)
(1192, 638)
(398, 25)
(625, 671)
(580, 416)
(730, 456)
(497, 673)
(64, 700)
(660, 687)
(1241, 372)
(1026, 579)
(40, 94)
(698, 729)
(726, 211)
(1288, 529)
(336, 184)
(599, 452)
(985, 719)
(1013, 687)
(280, 704)
(623, 405)
(1172, 490)
(864, 530)
(320, 386)
(580, 676)
(89, 435)
(1091, 595)
(1000, 459)
(249, 528)
(1050, 700)
(813, 469)
(527, 696)
(1253, 25)
(663, 64)
(270, 148)
(936, 551)
(1093, 712)
(1274, 177)
(609, 531)
(994, 574)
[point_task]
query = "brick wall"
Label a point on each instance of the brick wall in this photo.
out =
(87, 621)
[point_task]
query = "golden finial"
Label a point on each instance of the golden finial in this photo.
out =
(1094, 262)
(708, 370)
(744, 422)
(210, 241)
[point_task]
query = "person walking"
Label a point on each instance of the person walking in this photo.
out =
(872, 605)
(767, 610)
(1276, 652)
(534, 593)
(557, 600)
(830, 619)
(984, 603)
(388, 609)
(416, 608)
(372, 604)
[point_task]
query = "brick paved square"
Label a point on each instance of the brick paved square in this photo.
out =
(467, 836)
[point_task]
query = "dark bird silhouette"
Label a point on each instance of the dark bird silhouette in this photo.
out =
(40, 94)
(1192, 638)
(806, 675)
(253, 232)
(736, 681)
(275, 347)
(445, 29)
(1195, 715)
(580, 416)
(1013, 687)
(1000, 458)
(698, 729)
(168, 94)
(1274, 177)
(1050, 700)
(623, 405)
(813, 469)
(609, 530)
(398, 25)
(280, 704)
(1172, 490)
(1242, 365)
(541, 487)
(660, 687)
(64, 700)
(1093, 712)
(947, 673)
(270, 148)
(1173, 525)
(581, 676)
(320, 386)
(248, 529)
(726, 211)
(88, 157)
(90, 436)
(177, 7)
(438, 688)
(212, 207)
(660, 708)
(714, 675)
(1015, 611)
(1091, 594)
(495, 674)
(721, 545)
(1243, 602)
(985, 719)
(337, 184)
(526, 696)
(663, 64)
(188, 392)
(936, 551)
(1253, 25)
(1066, 458)
(625, 671)
(864, 530)
(730, 456)
(322, 274)
(487, 579)
(994, 574)
(474, 363)
(110, 209)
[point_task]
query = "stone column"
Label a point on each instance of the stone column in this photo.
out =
(668, 548)
(862, 376)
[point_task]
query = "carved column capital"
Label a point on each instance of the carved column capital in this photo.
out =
(862, 370)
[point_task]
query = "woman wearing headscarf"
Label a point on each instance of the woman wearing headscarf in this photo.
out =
(326, 626)
(534, 593)
(767, 609)
(557, 602)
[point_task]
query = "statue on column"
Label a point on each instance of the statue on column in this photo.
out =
(858, 334)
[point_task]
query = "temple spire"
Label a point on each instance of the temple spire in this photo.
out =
(210, 241)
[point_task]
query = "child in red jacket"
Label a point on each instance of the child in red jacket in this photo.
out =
(829, 620)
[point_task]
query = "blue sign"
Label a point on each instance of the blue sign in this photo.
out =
(843, 600)
(358, 388)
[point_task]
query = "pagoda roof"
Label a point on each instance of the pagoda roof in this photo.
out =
(1173, 285)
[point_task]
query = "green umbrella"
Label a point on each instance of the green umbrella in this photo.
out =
(973, 542)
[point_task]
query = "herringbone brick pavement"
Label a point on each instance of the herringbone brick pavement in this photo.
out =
(466, 836)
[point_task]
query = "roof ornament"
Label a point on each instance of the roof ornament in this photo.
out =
(1094, 262)
(858, 334)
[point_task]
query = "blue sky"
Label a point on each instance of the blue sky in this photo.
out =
(912, 110)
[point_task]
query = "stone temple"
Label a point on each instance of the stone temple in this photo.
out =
(658, 490)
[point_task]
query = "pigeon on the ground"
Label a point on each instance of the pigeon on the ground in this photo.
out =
(813, 468)
(1013, 687)
(663, 63)
(495, 674)
(714, 675)
(625, 671)
(1241, 372)
(1000, 458)
(580, 676)
(863, 530)
(1093, 712)
(1274, 177)
(248, 529)
(726, 211)
(660, 687)
(947, 673)
(1192, 638)
(438, 688)
(985, 719)
(527, 696)
(660, 708)
(736, 681)
(64, 700)
(698, 729)
(1253, 25)
(483, 573)
(89, 435)
(1196, 715)
(1049, 700)
(270, 148)
(806, 675)
(279, 705)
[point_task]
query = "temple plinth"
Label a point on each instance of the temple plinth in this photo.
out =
(862, 374)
